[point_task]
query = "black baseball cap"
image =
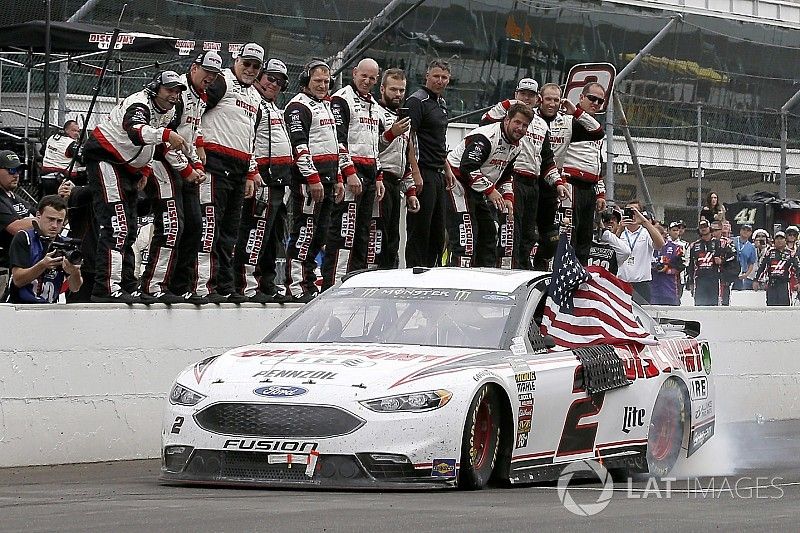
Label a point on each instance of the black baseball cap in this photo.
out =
(9, 159)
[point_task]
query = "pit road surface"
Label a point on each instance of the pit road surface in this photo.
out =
(746, 478)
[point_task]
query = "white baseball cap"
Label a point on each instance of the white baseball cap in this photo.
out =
(276, 66)
(528, 84)
(252, 51)
(210, 61)
(171, 79)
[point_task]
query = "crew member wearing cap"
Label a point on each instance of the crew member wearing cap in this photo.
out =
(169, 274)
(608, 250)
(676, 230)
(316, 180)
(582, 167)
(775, 270)
(118, 155)
(703, 272)
(233, 112)
(747, 256)
(262, 226)
(15, 213)
(729, 269)
(535, 159)
(58, 152)
(667, 266)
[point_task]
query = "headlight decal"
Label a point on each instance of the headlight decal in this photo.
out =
(412, 402)
(180, 395)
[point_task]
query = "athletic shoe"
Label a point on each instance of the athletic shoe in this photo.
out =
(305, 298)
(194, 298)
(167, 297)
(116, 297)
(261, 298)
(143, 298)
(280, 298)
(236, 298)
(216, 298)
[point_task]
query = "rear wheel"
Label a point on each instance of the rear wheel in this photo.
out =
(667, 427)
(480, 440)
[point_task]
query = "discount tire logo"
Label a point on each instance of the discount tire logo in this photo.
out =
(586, 470)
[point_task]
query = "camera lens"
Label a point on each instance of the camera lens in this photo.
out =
(75, 257)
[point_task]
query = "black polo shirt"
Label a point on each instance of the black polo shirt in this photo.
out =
(428, 114)
(12, 208)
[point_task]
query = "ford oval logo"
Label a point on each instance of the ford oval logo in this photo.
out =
(280, 391)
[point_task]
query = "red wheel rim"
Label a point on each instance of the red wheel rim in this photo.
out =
(481, 434)
(667, 426)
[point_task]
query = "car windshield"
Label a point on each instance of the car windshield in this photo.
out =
(390, 315)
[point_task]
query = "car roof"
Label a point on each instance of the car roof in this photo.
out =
(486, 279)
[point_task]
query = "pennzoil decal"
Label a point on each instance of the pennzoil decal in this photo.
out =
(443, 468)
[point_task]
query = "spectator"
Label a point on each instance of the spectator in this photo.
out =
(398, 163)
(643, 238)
(713, 209)
(667, 266)
(59, 150)
(15, 213)
(232, 115)
(118, 155)
(482, 164)
(262, 226)
(37, 269)
(747, 256)
(775, 270)
(675, 234)
(761, 240)
(608, 250)
(316, 179)
(357, 117)
(729, 269)
(791, 239)
(428, 113)
(703, 272)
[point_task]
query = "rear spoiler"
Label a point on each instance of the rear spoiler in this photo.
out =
(689, 327)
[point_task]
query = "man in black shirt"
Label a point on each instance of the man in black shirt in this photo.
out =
(428, 113)
(15, 214)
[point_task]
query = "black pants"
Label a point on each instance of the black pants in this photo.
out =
(547, 227)
(706, 291)
(725, 293)
(309, 226)
(254, 259)
(526, 208)
(584, 205)
(425, 229)
(184, 273)
(348, 234)
(388, 224)
(221, 197)
(778, 293)
(471, 229)
(114, 224)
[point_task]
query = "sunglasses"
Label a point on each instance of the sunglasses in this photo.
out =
(595, 99)
(13, 171)
(247, 63)
(277, 80)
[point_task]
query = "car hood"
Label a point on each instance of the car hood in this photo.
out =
(349, 365)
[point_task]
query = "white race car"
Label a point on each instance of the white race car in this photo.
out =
(434, 378)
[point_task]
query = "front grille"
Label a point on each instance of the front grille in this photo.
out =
(277, 420)
(388, 470)
(256, 466)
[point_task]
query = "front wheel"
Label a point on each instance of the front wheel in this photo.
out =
(480, 441)
(667, 427)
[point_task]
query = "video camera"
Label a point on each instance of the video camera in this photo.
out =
(68, 248)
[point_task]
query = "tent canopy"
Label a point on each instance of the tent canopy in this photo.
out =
(77, 37)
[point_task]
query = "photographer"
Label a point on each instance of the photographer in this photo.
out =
(643, 238)
(608, 250)
(41, 259)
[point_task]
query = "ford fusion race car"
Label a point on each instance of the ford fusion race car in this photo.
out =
(435, 377)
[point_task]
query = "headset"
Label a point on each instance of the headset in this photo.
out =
(305, 74)
(151, 87)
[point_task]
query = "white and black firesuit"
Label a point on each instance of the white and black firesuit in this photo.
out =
(608, 251)
(58, 153)
(775, 271)
(384, 245)
(312, 133)
(117, 154)
(357, 119)
(177, 219)
(229, 126)
(263, 215)
(581, 167)
(481, 163)
(535, 159)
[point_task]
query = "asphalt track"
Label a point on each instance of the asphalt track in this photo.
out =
(747, 478)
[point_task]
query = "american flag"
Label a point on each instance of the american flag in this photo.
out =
(589, 306)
